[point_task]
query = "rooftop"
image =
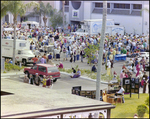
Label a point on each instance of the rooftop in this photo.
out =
(33, 101)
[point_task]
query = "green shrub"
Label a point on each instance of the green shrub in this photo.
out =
(68, 70)
(93, 76)
(141, 109)
(147, 101)
(9, 66)
(61, 69)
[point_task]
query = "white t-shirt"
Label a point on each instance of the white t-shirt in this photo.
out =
(109, 64)
(121, 90)
(119, 44)
(133, 43)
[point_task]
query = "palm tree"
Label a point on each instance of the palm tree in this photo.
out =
(15, 8)
(45, 10)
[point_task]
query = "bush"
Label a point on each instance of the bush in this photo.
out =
(61, 69)
(147, 101)
(141, 109)
(9, 66)
(68, 70)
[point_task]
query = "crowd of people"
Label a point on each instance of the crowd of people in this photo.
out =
(73, 47)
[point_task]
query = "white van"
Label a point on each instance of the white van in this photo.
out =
(22, 52)
(30, 24)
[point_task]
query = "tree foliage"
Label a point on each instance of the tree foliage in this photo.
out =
(45, 10)
(90, 51)
(16, 8)
(57, 18)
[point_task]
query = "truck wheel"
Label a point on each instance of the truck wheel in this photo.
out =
(27, 73)
(24, 62)
(54, 80)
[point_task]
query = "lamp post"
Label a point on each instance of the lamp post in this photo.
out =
(98, 83)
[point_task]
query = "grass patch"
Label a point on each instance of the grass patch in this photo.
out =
(129, 108)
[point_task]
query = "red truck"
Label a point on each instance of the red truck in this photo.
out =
(43, 69)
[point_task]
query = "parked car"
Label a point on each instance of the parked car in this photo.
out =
(43, 69)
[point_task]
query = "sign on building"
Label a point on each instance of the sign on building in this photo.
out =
(75, 13)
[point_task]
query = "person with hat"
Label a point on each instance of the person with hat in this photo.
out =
(37, 80)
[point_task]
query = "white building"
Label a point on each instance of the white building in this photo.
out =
(124, 13)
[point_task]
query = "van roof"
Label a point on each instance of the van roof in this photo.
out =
(30, 22)
(46, 65)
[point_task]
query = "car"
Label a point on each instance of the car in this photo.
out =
(80, 32)
(43, 69)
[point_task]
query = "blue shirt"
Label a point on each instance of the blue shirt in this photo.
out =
(49, 56)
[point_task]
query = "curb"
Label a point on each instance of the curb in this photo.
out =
(5, 74)
(85, 78)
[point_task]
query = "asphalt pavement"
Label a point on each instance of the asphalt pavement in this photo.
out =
(65, 83)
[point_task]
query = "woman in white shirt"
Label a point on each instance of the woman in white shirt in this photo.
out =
(108, 68)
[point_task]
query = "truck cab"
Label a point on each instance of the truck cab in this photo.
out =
(24, 56)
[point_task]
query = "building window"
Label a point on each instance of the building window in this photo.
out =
(117, 24)
(66, 2)
(108, 5)
(101, 5)
(122, 6)
(137, 6)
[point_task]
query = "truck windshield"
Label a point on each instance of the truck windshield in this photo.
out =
(27, 52)
(52, 69)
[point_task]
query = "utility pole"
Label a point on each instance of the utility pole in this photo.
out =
(63, 2)
(101, 46)
(14, 43)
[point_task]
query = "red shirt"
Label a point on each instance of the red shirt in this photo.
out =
(35, 59)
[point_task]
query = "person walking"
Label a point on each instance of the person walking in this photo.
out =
(64, 54)
(74, 54)
(35, 60)
(42, 60)
(82, 53)
(108, 67)
(138, 68)
(50, 58)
